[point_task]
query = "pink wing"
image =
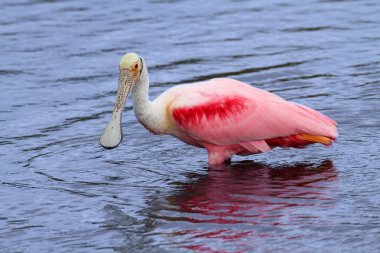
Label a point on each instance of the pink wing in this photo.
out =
(225, 111)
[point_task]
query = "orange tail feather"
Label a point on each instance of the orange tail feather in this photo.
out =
(315, 138)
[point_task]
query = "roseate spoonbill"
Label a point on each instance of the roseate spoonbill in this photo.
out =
(223, 115)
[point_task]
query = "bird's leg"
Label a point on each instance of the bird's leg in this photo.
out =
(217, 158)
(218, 154)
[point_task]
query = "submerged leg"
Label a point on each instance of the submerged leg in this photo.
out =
(217, 157)
(221, 154)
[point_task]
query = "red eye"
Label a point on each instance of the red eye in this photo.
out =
(136, 66)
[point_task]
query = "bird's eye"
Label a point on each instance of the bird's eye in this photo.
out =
(136, 66)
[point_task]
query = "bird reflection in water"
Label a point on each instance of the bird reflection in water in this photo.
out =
(234, 205)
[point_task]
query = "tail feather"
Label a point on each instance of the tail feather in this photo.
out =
(316, 139)
(299, 140)
(315, 123)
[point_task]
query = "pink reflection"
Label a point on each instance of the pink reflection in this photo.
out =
(234, 205)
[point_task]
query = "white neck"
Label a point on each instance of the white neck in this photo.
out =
(145, 110)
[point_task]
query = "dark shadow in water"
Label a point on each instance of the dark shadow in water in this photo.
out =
(257, 199)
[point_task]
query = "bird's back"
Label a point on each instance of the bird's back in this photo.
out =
(225, 111)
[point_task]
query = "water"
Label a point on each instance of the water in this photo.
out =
(61, 192)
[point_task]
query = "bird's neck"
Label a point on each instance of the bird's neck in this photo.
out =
(145, 110)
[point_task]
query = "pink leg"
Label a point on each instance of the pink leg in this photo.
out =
(221, 154)
(217, 157)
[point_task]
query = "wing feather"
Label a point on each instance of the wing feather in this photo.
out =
(226, 111)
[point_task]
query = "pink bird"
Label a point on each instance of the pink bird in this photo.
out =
(224, 116)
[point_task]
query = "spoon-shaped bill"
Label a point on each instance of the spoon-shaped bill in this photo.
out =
(112, 133)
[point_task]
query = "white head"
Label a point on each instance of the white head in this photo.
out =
(131, 67)
(132, 63)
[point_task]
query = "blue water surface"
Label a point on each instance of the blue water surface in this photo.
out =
(61, 192)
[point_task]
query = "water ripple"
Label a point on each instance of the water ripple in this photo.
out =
(61, 192)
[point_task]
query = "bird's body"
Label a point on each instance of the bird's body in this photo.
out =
(228, 117)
